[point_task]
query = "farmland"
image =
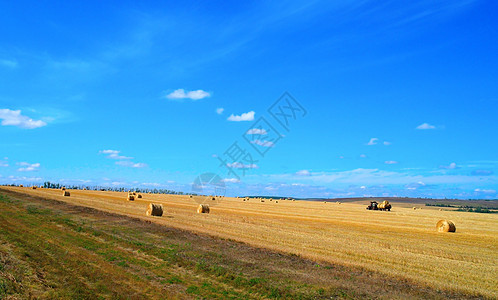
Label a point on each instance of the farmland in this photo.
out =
(289, 249)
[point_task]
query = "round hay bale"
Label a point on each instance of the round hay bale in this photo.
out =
(66, 194)
(276, 201)
(440, 209)
(131, 197)
(21, 185)
(139, 196)
(213, 198)
(190, 196)
(414, 208)
(33, 187)
(445, 226)
(63, 188)
(262, 200)
(203, 209)
(154, 210)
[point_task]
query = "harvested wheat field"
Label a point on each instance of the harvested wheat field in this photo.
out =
(402, 244)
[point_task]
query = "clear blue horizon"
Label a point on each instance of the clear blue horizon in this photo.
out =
(396, 99)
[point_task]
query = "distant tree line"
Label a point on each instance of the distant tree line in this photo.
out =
(467, 208)
(51, 185)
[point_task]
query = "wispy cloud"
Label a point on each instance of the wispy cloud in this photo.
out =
(376, 141)
(257, 131)
(114, 154)
(238, 165)
(425, 126)
(231, 180)
(130, 164)
(220, 110)
(373, 141)
(8, 63)
(27, 167)
(15, 118)
(122, 160)
(390, 162)
(4, 162)
(485, 191)
(450, 166)
(303, 173)
(482, 173)
(263, 143)
(193, 95)
(248, 116)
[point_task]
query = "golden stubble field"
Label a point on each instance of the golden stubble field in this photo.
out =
(401, 243)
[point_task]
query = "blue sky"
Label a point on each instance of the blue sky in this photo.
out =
(401, 98)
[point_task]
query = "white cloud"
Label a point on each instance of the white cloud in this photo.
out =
(248, 116)
(155, 184)
(485, 191)
(220, 110)
(263, 143)
(425, 126)
(373, 141)
(130, 164)
(231, 180)
(450, 166)
(27, 167)
(4, 162)
(8, 63)
(386, 143)
(14, 118)
(363, 155)
(237, 165)
(257, 131)
(193, 95)
(390, 162)
(303, 173)
(114, 154)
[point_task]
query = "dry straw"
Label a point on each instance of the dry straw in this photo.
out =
(203, 209)
(66, 194)
(154, 210)
(445, 226)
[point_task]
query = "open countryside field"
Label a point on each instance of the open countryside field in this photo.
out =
(401, 245)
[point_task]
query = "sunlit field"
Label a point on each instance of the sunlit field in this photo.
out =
(402, 243)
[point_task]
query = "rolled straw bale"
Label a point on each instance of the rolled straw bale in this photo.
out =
(445, 226)
(139, 196)
(414, 208)
(63, 188)
(276, 201)
(203, 209)
(154, 210)
(21, 185)
(33, 187)
(66, 194)
(131, 198)
(213, 198)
